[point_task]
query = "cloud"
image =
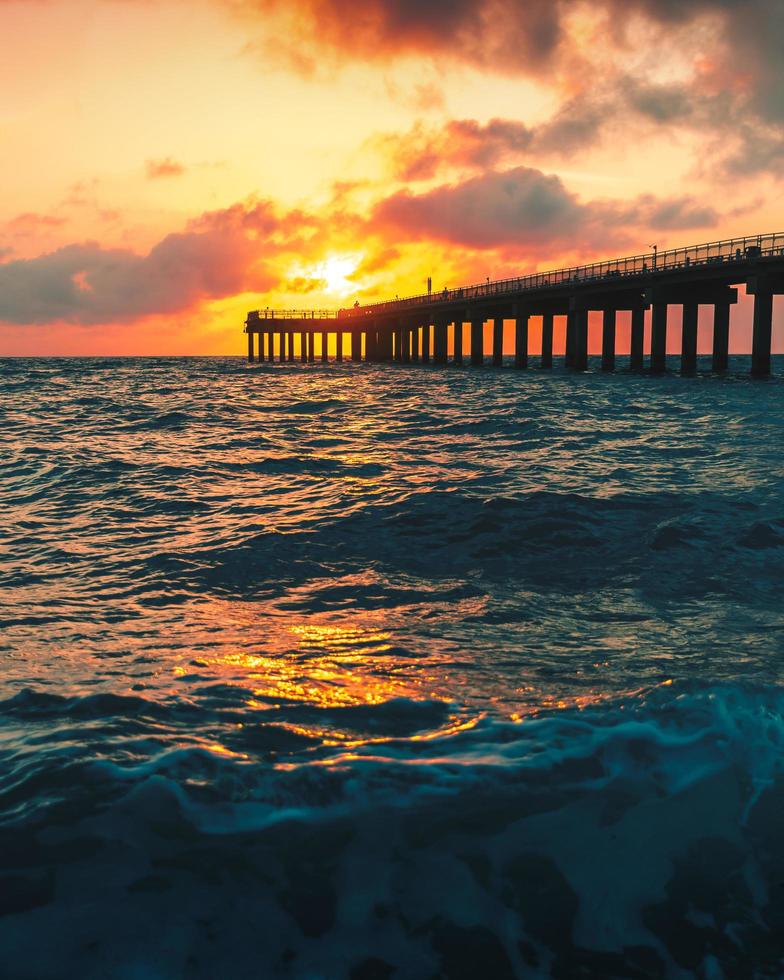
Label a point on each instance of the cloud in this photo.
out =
(501, 35)
(515, 207)
(714, 66)
(504, 33)
(423, 151)
(30, 223)
(219, 254)
(526, 209)
(168, 167)
(675, 214)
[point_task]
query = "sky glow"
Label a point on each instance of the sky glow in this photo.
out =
(167, 166)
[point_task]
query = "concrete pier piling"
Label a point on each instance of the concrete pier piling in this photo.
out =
(547, 341)
(721, 337)
(440, 341)
(637, 339)
(457, 346)
(609, 319)
(689, 340)
(477, 342)
(416, 329)
(658, 362)
(521, 339)
(580, 361)
(498, 341)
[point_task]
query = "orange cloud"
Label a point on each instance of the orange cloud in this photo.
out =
(168, 167)
(219, 254)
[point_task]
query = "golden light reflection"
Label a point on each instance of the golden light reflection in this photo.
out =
(289, 668)
(591, 699)
(321, 665)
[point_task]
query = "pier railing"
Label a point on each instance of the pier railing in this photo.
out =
(294, 314)
(728, 251)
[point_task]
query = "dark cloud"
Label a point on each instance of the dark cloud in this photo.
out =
(520, 206)
(733, 47)
(168, 167)
(674, 214)
(508, 35)
(503, 33)
(524, 209)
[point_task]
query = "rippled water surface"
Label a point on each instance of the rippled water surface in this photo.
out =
(348, 671)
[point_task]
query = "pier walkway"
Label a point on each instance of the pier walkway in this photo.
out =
(425, 328)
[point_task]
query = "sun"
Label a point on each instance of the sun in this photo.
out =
(335, 271)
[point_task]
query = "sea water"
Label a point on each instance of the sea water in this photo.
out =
(366, 672)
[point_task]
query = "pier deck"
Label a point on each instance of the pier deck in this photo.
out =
(425, 327)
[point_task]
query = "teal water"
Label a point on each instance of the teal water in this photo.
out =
(358, 671)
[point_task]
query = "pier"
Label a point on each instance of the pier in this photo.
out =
(425, 328)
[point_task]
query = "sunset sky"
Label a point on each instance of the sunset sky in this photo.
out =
(167, 166)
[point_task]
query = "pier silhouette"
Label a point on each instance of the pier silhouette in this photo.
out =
(417, 328)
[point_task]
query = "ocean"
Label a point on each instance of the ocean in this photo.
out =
(370, 672)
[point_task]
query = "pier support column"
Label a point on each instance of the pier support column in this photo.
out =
(457, 343)
(577, 338)
(339, 346)
(311, 346)
(440, 341)
(721, 337)
(384, 347)
(356, 345)
(521, 339)
(581, 341)
(547, 341)
(762, 334)
(498, 341)
(477, 343)
(571, 331)
(426, 343)
(415, 344)
(324, 345)
(637, 339)
(608, 339)
(689, 340)
(250, 346)
(762, 290)
(405, 343)
(291, 346)
(659, 337)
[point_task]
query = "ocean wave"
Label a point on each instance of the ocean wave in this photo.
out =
(640, 840)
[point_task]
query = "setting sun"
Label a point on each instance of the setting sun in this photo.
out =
(335, 272)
